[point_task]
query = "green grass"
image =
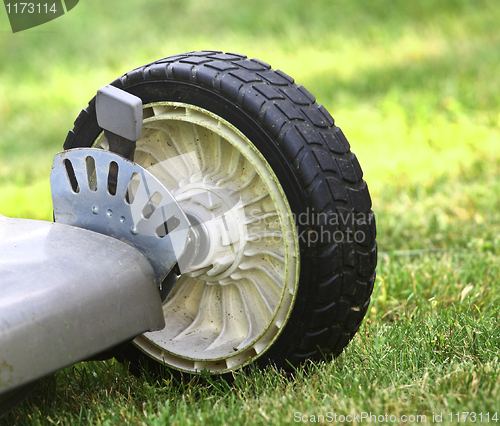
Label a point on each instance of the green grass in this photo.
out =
(415, 87)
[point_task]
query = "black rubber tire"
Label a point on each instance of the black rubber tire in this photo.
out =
(313, 162)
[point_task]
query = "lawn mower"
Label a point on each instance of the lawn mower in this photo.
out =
(208, 216)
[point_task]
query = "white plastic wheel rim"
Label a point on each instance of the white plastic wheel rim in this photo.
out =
(220, 321)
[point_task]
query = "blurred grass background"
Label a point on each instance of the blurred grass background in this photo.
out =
(415, 87)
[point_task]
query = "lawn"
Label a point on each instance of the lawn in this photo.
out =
(415, 88)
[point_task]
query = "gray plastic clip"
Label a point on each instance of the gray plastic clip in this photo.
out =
(119, 112)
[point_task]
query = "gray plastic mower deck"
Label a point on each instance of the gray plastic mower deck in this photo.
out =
(67, 294)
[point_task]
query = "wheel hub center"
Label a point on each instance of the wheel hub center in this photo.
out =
(218, 221)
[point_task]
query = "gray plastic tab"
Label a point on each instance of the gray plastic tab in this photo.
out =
(104, 192)
(119, 112)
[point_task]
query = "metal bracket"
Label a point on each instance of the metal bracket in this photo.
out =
(104, 192)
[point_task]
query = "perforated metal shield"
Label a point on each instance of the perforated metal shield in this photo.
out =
(104, 192)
